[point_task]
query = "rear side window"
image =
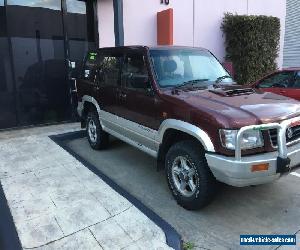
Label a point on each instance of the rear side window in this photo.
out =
(90, 66)
(110, 69)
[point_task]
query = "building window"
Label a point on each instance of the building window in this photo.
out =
(52, 4)
(76, 7)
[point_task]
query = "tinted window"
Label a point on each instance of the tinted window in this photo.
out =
(110, 70)
(1, 2)
(50, 4)
(134, 72)
(297, 80)
(281, 80)
(90, 66)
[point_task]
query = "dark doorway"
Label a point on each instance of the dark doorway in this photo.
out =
(45, 40)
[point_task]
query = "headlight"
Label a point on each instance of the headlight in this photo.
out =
(250, 139)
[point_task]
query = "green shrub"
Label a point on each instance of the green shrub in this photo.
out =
(252, 44)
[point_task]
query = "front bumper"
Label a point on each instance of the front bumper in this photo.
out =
(237, 170)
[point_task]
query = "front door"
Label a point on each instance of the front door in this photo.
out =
(277, 83)
(137, 101)
(293, 91)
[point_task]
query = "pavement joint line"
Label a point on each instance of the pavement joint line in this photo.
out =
(295, 174)
(173, 238)
(82, 229)
(65, 236)
(133, 241)
(59, 225)
(95, 238)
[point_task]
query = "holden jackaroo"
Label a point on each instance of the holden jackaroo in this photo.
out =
(180, 105)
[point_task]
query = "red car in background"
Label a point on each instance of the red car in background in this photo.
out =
(283, 82)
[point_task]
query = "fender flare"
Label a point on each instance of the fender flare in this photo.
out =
(87, 98)
(188, 128)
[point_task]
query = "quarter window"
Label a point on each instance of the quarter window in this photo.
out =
(90, 67)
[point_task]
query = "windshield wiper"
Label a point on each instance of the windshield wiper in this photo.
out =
(190, 83)
(219, 79)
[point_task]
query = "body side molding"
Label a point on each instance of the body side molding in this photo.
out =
(188, 128)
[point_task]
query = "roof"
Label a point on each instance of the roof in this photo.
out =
(174, 47)
(291, 69)
(160, 47)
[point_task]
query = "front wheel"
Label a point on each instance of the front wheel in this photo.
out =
(97, 138)
(189, 177)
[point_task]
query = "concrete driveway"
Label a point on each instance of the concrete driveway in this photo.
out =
(267, 209)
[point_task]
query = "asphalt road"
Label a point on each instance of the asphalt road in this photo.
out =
(267, 209)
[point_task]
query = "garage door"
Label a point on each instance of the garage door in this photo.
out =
(291, 51)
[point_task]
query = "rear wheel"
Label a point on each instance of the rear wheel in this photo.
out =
(189, 177)
(97, 138)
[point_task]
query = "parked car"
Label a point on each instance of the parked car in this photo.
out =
(180, 105)
(284, 82)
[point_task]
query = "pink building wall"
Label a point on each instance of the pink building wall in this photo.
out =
(196, 22)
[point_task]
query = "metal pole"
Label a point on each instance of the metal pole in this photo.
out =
(118, 22)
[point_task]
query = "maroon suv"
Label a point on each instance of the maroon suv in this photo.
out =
(180, 105)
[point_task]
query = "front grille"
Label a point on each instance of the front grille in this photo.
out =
(291, 136)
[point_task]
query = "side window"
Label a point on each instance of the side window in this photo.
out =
(109, 70)
(279, 80)
(90, 66)
(134, 73)
(297, 80)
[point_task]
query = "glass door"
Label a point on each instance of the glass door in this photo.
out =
(7, 97)
(41, 43)
(38, 53)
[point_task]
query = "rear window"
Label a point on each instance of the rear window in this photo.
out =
(90, 66)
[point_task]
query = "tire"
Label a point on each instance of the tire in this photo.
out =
(189, 178)
(97, 138)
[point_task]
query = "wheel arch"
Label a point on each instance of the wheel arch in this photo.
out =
(172, 131)
(88, 102)
(187, 128)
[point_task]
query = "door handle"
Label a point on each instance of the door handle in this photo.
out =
(121, 95)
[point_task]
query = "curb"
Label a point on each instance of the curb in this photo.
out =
(9, 238)
(173, 238)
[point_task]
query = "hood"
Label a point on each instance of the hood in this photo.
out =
(236, 106)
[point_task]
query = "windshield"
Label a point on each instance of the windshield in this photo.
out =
(174, 67)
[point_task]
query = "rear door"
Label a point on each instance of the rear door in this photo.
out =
(108, 86)
(108, 80)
